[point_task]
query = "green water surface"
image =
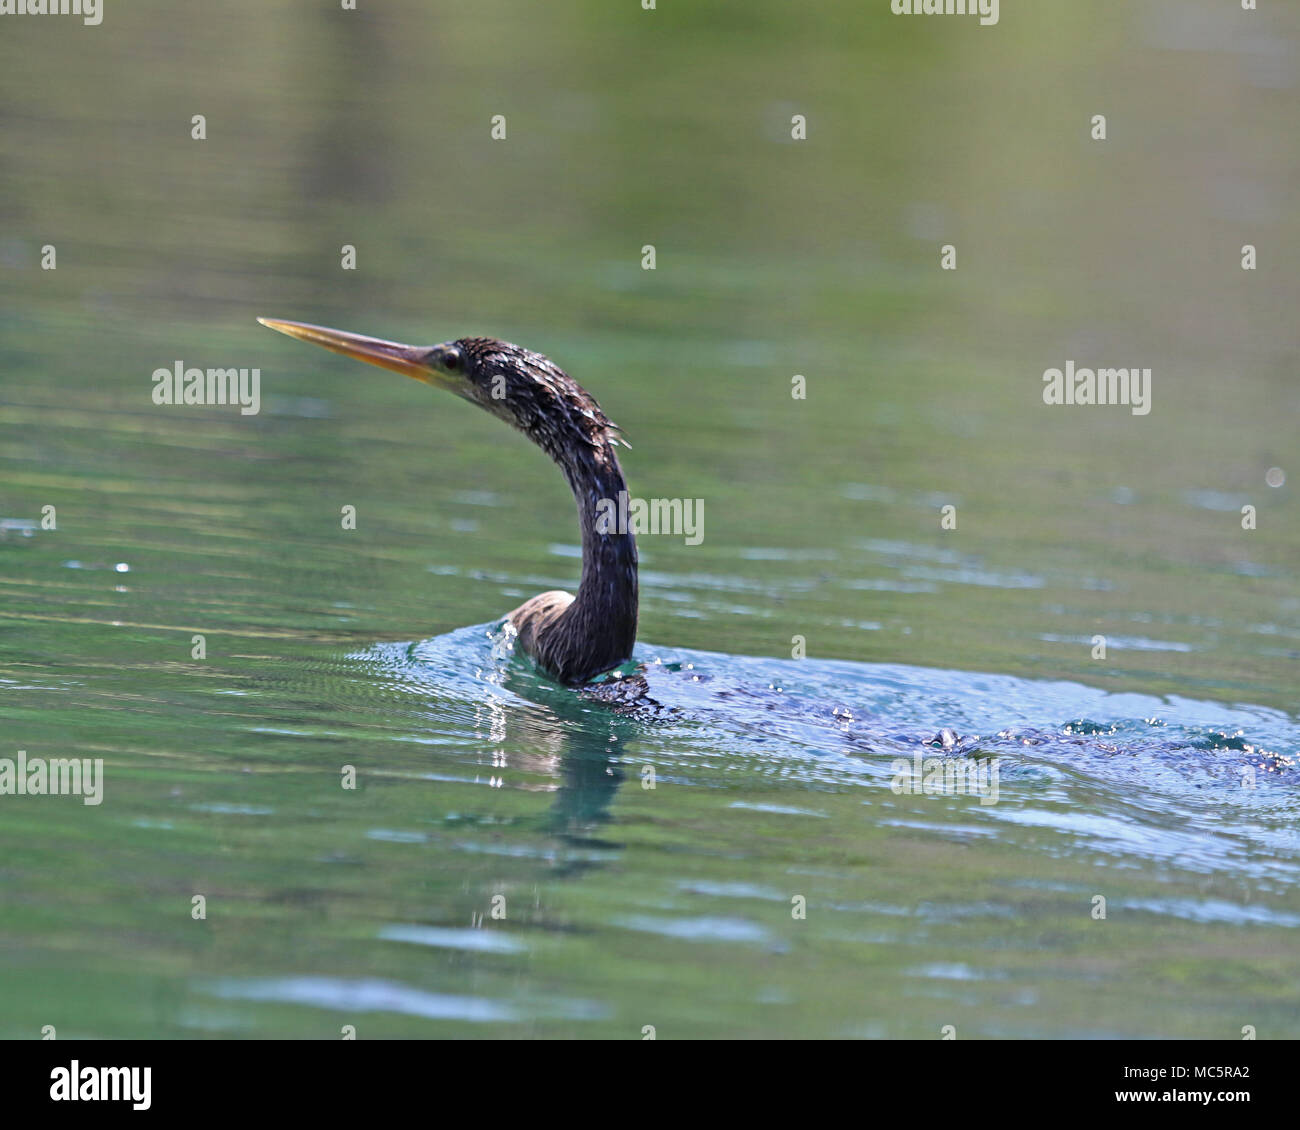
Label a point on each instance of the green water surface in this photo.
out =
(479, 788)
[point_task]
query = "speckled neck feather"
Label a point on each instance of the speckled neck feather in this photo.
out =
(573, 639)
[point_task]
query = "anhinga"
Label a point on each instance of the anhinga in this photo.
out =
(572, 638)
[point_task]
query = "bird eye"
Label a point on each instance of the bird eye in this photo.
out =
(452, 360)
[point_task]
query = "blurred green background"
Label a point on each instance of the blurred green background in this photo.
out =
(775, 257)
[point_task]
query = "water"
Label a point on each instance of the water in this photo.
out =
(773, 881)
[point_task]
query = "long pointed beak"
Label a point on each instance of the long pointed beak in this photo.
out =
(409, 360)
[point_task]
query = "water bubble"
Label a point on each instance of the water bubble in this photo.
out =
(1275, 476)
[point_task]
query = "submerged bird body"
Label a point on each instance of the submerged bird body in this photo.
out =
(572, 637)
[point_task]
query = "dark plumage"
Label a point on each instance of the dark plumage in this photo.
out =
(572, 637)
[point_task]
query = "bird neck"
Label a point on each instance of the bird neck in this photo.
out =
(600, 625)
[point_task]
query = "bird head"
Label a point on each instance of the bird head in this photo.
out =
(525, 389)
